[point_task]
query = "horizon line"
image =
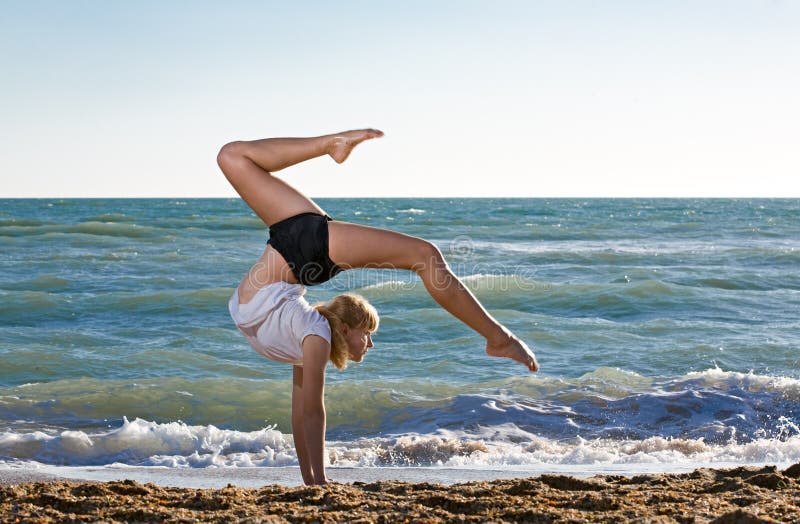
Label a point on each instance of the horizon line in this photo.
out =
(541, 197)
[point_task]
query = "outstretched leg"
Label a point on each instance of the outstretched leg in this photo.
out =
(249, 167)
(357, 246)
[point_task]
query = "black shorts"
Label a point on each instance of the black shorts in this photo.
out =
(302, 240)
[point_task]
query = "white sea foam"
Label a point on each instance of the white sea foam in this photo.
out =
(140, 442)
(175, 445)
(607, 417)
(391, 285)
(787, 386)
(500, 282)
(634, 247)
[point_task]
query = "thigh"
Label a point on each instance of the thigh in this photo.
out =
(268, 196)
(355, 246)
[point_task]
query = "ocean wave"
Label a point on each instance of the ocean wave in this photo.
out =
(110, 217)
(129, 227)
(455, 449)
(28, 305)
(140, 442)
(25, 306)
(176, 444)
(633, 295)
(621, 299)
(167, 300)
(486, 283)
(116, 229)
(637, 249)
(42, 282)
(715, 406)
(22, 222)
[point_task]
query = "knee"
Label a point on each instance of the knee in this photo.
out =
(428, 257)
(229, 153)
(432, 267)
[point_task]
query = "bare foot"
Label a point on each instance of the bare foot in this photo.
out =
(342, 143)
(515, 349)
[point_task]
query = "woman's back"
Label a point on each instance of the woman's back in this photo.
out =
(277, 319)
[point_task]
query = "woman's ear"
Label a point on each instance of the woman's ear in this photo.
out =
(345, 329)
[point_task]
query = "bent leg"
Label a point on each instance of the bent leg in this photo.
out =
(268, 196)
(356, 246)
(248, 166)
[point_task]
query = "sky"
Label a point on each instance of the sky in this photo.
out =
(505, 99)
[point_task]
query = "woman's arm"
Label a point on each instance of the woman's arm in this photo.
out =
(298, 428)
(316, 353)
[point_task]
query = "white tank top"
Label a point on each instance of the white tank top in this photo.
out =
(276, 321)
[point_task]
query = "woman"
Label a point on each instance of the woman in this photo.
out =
(307, 247)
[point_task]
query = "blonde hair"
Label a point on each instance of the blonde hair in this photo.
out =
(350, 309)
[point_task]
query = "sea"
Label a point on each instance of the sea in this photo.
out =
(667, 330)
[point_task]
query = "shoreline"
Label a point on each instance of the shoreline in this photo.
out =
(742, 494)
(256, 477)
(289, 476)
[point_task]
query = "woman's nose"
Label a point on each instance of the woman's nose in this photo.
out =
(369, 342)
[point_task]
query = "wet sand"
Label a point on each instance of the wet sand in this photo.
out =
(739, 495)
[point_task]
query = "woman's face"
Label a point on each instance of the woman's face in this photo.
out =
(358, 342)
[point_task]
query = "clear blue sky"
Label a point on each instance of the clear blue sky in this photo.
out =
(512, 98)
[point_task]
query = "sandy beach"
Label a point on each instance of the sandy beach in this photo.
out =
(739, 495)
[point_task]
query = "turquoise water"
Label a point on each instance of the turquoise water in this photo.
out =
(667, 331)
